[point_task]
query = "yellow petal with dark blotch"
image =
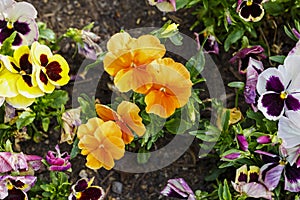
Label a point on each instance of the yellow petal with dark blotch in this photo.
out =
(136, 79)
(146, 49)
(25, 87)
(118, 41)
(90, 127)
(92, 162)
(19, 52)
(129, 113)
(160, 103)
(115, 146)
(106, 113)
(37, 51)
(241, 174)
(114, 62)
(57, 70)
(10, 64)
(8, 83)
(43, 82)
(19, 101)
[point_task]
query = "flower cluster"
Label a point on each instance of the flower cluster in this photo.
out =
(137, 64)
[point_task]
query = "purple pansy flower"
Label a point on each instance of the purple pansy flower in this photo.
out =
(289, 129)
(279, 89)
(15, 187)
(231, 156)
(20, 17)
(255, 67)
(58, 161)
(90, 48)
(178, 188)
(271, 172)
(246, 182)
(243, 56)
(83, 190)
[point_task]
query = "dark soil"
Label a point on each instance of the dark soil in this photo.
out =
(109, 17)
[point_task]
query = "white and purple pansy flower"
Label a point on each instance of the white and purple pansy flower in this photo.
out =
(19, 17)
(289, 129)
(178, 188)
(270, 173)
(246, 183)
(15, 187)
(279, 89)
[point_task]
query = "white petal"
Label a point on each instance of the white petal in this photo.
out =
(289, 129)
(292, 65)
(20, 9)
(265, 76)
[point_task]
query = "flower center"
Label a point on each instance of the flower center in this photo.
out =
(101, 146)
(249, 2)
(283, 95)
(10, 25)
(162, 89)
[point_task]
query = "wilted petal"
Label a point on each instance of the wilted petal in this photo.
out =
(178, 188)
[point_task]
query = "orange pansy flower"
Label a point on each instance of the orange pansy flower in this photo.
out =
(126, 117)
(171, 87)
(127, 60)
(101, 142)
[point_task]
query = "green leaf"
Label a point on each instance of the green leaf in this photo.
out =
(290, 34)
(233, 37)
(46, 33)
(181, 3)
(236, 84)
(143, 156)
(226, 192)
(45, 123)
(195, 65)
(6, 47)
(279, 59)
(75, 149)
(59, 97)
(4, 126)
(24, 119)
(177, 125)
(273, 8)
(176, 39)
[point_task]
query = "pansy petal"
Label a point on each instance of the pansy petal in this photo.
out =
(104, 157)
(25, 87)
(92, 192)
(114, 63)
(115, 146)
(289, 132)
(20, 9)
(256, 190)
(270, 80)
(291, 63)
(129, 113)
(43, 82)
(292, 102)
(271, 105)
(89, 128)
(93, 162)
(292, 178)
(28, 29)
(270, 175)
(241, 174)
(137, 79)
(105, 112)
(8, 83)
(118, 41)
(242, 141)
(57, 70)
(20, 101)
(40, 54)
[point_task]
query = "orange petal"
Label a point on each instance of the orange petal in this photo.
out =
(115, 146)
(110, 128)
(106, 113)
(146, 49)
(127, 135)
(137, 79)
(89, 128)
(161, 104)
(118, 41)
(89, 143)
(104, 157)
(113, 63)
(129, 113)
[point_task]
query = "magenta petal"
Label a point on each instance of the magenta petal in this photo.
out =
(270, 175)
(242, 141)
(292, 103)
(232, 156)
(60, 167)
(265, 139)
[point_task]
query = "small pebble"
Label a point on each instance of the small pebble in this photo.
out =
(117, 187)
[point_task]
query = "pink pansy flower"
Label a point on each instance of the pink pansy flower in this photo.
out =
(58, 161)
